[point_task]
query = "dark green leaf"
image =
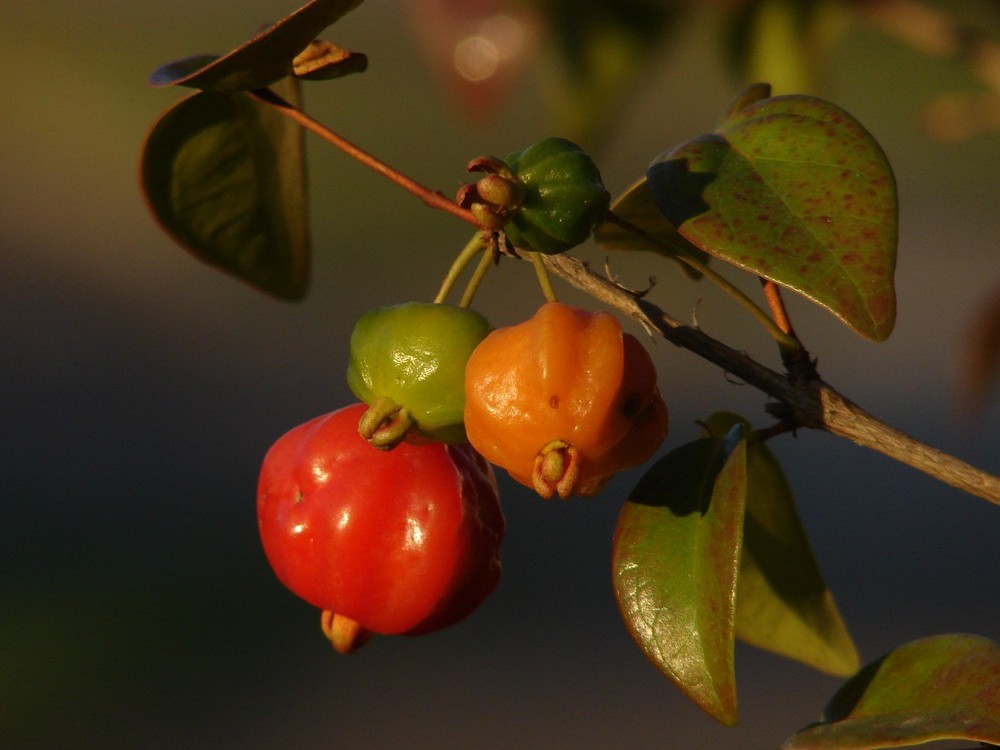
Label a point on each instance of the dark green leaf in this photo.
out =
(945, 687)
(782, 602)
(794, 190)
(637, 208)
(263, 60)
(675, 561)
(224, 174)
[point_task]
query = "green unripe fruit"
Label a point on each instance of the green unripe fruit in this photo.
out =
(407, 362)
(564, 198)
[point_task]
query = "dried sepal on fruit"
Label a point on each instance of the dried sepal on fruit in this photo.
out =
(564, 197)
(547, 198)
(407, 362)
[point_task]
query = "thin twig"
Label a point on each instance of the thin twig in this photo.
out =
(473, 247)
(774, 331)
(806, 403)
(432, 198)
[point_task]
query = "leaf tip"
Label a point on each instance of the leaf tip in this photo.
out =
(178, 71)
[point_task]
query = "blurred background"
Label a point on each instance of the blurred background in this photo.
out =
(140, 389)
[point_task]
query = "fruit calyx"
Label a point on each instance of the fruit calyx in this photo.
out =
(345, 634)
(385, 424)
(494, 198)
(556, 470)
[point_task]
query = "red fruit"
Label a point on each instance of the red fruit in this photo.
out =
(394, 542)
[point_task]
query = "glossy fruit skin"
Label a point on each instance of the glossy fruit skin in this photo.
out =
(564, 199)
(403, 542)
(414, 354)
(564, 375)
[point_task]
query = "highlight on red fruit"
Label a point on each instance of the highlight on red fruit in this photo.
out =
(398, 542)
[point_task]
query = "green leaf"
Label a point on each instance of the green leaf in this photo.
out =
(675, 561)
(795, 190)
(637, 207)
(945, 687)
(263, 60)
(224, 175)
(782, 602)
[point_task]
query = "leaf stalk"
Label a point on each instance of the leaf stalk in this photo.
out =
(432, 198)
(804, 403)
(774, 330)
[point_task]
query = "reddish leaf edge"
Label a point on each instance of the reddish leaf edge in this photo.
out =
(759, 94)
(293, 292)
(900, 725)
(183, 72)
(723, 706)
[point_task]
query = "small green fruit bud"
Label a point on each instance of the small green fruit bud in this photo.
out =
(564, 198)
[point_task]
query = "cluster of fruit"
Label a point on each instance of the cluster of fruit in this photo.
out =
(385, 514)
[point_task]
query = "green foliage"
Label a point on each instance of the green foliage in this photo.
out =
(782, 602)
(944, 687)
(675, 561)
(224, 175)
(709, 546)
(795, 190)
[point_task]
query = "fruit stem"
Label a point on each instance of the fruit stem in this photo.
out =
(543, 278)
(784, 340)
(485, 262)
(778, 428)
(432, 198)
(475, 245)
